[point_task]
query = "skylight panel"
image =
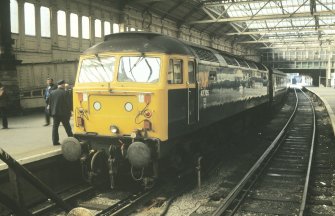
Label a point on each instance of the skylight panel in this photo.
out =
(327, 31)
(301, 22)
(256, 25)
(233, 11)
(328, 4)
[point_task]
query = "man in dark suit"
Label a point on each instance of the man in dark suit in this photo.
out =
(3, 106)
(50, 87)
(60, 110)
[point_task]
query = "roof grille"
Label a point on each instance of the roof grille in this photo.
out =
(204, 54)
(251, 64)
(242, 63)
(230, 60)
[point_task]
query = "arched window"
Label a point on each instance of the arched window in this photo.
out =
(61, 22)
(97, 24)
(85, 29)
(45, 22)
(107, 27)
(74, 25)
(14, 16)
(29, 19)
(116, 28)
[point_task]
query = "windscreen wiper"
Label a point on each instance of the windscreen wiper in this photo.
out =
(134, 65)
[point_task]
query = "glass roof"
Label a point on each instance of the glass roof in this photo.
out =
(267, 20)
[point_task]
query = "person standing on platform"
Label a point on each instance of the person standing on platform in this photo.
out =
(50, 87)
(68, 90)
(60, 110)
(3, 106)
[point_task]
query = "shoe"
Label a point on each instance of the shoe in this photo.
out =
(5, 128)
(56, 144)
(46, 125)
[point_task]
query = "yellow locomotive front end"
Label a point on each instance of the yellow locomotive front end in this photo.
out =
(120, 95)
(119, 114)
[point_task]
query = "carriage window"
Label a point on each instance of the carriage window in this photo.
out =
(212, 76)
(191, 77)
(175, 73)
(97, 70)
(139, 69)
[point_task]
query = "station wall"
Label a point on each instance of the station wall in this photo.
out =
(56, 55)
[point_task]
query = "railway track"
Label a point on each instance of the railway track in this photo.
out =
(278, 182)
(137, 202)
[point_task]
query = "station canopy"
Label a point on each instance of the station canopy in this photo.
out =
(262, 24)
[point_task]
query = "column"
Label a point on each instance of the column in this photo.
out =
(92, 30)
(53, 25)
(5, 33)
(80, 26)
(38, 24)
(329, 66)
(8, 74)
(21, 23)
(68, 30)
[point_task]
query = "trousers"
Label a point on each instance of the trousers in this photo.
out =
(3, 111)
(66, 123)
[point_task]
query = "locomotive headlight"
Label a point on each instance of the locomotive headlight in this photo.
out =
(97, 106)
(114, 129)
(128, 107)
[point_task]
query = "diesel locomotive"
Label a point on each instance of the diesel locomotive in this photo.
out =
(137, 93)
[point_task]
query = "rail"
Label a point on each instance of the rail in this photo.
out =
(233, 194)
(304, 196)
(260, 165)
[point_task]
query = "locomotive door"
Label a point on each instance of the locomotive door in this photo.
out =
(192, 94)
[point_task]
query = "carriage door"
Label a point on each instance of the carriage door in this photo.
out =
(192, 94)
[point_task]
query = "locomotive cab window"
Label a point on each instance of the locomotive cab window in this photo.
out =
(175, 73)
(99, 69)
(139, 69)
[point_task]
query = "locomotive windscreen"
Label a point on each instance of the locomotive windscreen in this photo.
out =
(97, 70)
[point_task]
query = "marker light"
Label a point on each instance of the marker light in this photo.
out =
(97, 105)
(128, 107)
(147, 98)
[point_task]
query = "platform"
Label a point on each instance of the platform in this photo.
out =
(327, 95)
(28, 140)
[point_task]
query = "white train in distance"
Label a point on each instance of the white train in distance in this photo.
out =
(299, 81)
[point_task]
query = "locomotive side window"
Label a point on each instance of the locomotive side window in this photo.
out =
(191, 72)
(97, 70)
(139, 69)
(175, 73)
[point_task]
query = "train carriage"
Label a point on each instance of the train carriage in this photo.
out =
(137, 93)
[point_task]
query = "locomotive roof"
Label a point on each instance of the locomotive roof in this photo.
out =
(140, 42)
(153, 42)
